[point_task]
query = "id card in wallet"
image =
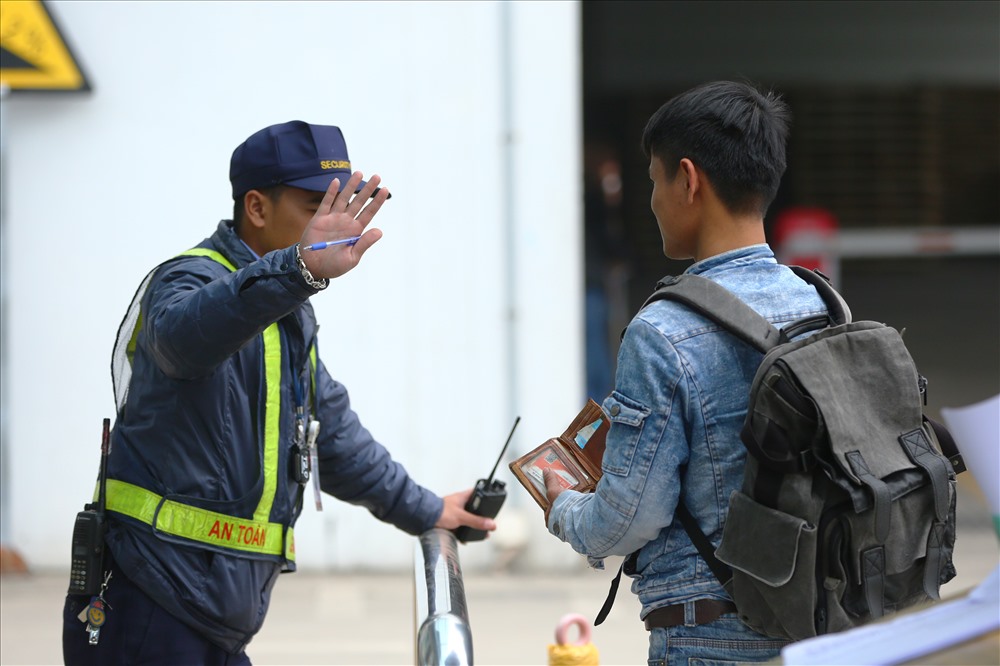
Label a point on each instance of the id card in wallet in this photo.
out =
(575, 456)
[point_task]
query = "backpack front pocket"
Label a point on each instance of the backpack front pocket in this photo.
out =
(773, 590)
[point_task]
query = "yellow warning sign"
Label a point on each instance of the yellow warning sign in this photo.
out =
(33, 53)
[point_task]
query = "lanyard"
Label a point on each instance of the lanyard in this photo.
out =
(304, 446)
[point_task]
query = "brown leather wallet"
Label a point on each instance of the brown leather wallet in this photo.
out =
(580, 468)
(705, 611)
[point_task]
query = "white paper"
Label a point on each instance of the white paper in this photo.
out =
(908, 636)
(976, 429)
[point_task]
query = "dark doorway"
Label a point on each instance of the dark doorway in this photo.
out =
(896, 124)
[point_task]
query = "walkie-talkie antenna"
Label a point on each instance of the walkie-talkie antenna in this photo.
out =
(504, 449)
(105, 445)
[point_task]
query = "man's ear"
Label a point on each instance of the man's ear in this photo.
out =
(256, 208)
(692, 179)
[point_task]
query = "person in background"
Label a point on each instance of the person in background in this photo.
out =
(605, 264)
(227, 416)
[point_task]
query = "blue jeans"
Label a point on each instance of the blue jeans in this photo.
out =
(724, 642)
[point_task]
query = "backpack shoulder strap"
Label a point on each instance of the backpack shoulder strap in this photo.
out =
(720, 306)
(723, 572)
(835, 303)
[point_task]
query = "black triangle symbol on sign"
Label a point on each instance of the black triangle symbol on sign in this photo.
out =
(10, 60)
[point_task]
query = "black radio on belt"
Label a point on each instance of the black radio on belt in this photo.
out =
(486, 499)
(87, 557)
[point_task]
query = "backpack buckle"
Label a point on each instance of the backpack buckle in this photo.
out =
(807, 460)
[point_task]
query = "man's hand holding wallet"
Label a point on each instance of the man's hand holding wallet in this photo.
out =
(571, 461)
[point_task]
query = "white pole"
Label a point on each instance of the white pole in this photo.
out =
(4, 460)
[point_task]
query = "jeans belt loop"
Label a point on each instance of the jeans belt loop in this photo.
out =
(690, 614)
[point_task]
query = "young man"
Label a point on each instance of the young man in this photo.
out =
(716, 156)
(220, 395)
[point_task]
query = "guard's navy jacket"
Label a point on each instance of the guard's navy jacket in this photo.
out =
(201, 496)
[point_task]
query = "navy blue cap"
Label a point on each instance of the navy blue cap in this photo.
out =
(293, 153)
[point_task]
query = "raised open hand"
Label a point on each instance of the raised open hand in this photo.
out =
(342, 214)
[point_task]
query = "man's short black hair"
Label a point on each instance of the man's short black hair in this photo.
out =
(272, 193)
(733, 132)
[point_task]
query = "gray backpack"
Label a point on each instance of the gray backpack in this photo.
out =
(847, 510)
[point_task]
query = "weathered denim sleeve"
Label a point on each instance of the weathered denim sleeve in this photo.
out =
(646, 445)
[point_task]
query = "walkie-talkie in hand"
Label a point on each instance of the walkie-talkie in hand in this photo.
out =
(487, 498)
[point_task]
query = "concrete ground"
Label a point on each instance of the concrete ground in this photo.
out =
(367, 618)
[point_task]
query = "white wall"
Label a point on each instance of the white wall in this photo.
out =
(99, 187)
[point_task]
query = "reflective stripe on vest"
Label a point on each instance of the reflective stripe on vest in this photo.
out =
(255, 535)
(208, 527)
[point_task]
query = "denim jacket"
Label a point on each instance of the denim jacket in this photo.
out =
(676, 411)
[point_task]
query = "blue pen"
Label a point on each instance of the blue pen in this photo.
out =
(343, 241)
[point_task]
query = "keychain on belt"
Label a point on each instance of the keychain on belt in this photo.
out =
(96, 613)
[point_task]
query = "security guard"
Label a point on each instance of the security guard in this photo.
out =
(226, 415)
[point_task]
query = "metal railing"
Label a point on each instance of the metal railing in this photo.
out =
(443, 636)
